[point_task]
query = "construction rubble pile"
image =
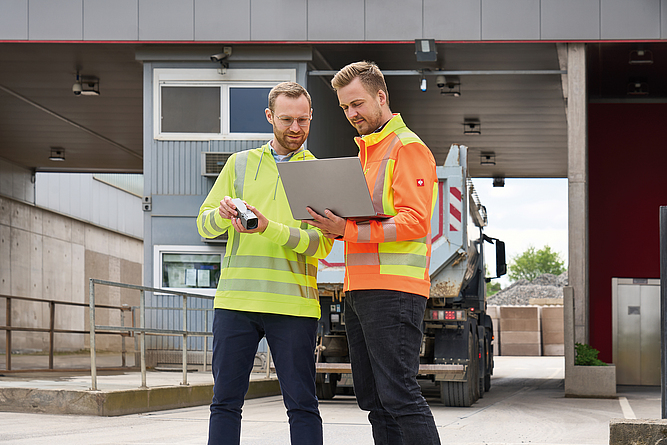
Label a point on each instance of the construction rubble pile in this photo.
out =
(520, 293)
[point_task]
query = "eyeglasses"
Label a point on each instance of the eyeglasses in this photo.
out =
(286, 121)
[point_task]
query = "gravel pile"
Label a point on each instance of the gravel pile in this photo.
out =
(520, 292)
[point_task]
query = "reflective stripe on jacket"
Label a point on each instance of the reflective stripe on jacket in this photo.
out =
(393, 253)
(275, 271)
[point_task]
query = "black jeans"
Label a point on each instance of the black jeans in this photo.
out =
(292, 342)
(384, 335)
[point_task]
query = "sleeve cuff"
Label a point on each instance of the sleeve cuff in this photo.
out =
(272, 231)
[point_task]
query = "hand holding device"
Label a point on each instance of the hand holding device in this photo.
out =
(248, 219)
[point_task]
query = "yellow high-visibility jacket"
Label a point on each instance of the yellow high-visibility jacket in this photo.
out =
(275, 271)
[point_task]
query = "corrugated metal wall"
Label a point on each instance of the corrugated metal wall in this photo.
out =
(176, 169)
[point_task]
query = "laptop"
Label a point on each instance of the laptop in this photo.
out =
(337, 184)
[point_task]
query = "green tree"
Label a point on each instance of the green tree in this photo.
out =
(492, 287)
(533, 263)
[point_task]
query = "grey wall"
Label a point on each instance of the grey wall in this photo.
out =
(46, 255)
(80, 196)
(324, 20)
(16, 182)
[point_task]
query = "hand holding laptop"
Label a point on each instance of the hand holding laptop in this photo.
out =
(331, 225)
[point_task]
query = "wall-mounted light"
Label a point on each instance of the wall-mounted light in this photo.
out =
(57, 154)
(472, 128)
(425, 50)
(499, 182)
(640, 57)
(86, 86)
(422, 83)
(637, 88)
(487, 158)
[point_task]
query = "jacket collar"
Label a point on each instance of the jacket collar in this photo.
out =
(394, 124)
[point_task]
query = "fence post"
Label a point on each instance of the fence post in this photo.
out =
(185, 340)
(8, 335)
(142, 340)
(93, 364)
(123, 362)
(52, 324)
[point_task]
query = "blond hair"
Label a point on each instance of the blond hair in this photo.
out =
(368, 73)
(290, 89)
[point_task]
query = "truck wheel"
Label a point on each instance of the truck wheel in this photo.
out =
(487, 382)
(325, 390)
(463, 393)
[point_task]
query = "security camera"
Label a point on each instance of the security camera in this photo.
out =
(440, 81)
(77, 88)
(219, 57)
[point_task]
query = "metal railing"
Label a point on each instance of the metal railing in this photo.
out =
(142, 330)
(52, 330)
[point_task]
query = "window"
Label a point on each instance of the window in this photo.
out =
(204, 105)
(193, 269)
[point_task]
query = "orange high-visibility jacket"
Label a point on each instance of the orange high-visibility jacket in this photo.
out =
(393, 253)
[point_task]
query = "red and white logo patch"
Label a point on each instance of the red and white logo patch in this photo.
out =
(420, 183)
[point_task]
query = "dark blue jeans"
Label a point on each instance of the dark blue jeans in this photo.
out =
(292, 342)
(384, 335)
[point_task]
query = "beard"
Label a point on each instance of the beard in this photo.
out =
(369, 123)
(289, 140)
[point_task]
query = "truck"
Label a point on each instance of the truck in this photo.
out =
(457, 346)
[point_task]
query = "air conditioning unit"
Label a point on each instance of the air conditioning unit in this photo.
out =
(212, 162)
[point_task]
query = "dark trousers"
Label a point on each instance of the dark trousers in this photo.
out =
(384, 335)
(292, 342)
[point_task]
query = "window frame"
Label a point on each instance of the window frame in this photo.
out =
(160, 250)
(244, 78)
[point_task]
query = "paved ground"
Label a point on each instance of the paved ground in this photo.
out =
(525, 405)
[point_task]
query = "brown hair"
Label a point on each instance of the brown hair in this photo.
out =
(290, 89)
(368, 73)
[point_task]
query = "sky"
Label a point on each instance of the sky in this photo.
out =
(524, 212)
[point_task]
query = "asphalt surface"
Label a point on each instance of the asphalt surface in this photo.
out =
(526, 404)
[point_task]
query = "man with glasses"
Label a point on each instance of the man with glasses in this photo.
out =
(268, 284)
(386, 261)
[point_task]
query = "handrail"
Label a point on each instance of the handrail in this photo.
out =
(8, 328)
(142, 330)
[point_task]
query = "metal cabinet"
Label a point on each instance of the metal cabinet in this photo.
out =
(636, 330)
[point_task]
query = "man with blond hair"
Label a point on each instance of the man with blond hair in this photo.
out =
(268, 282)
(387, 277)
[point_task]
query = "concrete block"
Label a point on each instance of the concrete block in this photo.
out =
(36, 265)
(520, 337)
(5, 259)
(553, 338)
(553, 312)
(5, 212)
(57, 269)
(97, 240)
(20, 262)
(493, 311)
(78, 232)
(519, 324)
(533, 349)
(637, 431)
(36, 220)
(553, 349)
(19, 215)
(521, 312)
(57, 226)
(552, 325)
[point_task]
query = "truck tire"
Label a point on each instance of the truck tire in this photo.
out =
(463, 393)
(325, 390)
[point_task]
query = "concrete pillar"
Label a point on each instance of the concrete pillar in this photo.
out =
(577, 168)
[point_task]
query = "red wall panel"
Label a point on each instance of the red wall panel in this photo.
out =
(627, 183)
